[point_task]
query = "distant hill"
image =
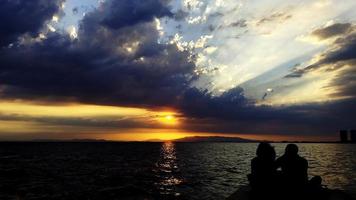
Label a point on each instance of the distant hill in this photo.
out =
(154, 140)
(213, 139)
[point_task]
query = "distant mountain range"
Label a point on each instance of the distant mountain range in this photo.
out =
(213, 139)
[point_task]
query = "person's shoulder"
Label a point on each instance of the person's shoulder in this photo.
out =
(302, 159)
(305, 160)
(255, 159)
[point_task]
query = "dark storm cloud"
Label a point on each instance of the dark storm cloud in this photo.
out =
(109, 63)
(200, 104)
(233, 113)
(231, 105)
(18, 17)
(180, 15)
(346, 50)
(130, 12)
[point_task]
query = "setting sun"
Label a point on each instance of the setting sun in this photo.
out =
(168, 119)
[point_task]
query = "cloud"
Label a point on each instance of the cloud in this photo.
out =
(117, 59)
(346, 81)
(343, 50)
(202, 104)
(180, 15)
(101, 122)
(118, 14)
(339, 53)
(274, 17)
(332, 30)
(232, 113)
(337, 64)
(111, 62)
(24, 17)
(239, 23)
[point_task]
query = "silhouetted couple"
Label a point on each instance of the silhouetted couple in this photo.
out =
(284, 178)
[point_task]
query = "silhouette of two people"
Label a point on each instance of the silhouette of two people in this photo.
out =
(284, 178)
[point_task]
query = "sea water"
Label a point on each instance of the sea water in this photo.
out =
(118, 170)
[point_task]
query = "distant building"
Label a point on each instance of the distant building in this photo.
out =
(343, 136)
(353, 135)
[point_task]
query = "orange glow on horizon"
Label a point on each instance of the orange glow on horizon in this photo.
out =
(172, 134)
(149, 134)
(29, 121)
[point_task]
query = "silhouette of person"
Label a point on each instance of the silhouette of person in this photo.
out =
(263, 171)
(294, 170)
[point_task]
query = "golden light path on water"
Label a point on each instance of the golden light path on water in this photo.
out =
(167, 170)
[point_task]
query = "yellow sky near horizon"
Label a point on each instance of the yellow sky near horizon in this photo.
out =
(20, 120)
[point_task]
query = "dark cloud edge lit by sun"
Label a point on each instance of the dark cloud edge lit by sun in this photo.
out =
(164, 69)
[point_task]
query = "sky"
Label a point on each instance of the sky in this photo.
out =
(165, 69)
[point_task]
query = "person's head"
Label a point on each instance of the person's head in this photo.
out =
(265, 151)
(291, 150)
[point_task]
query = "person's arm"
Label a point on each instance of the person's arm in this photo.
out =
(252, 177)
(306, 169)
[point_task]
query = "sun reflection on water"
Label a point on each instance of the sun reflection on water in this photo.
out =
(168, 171)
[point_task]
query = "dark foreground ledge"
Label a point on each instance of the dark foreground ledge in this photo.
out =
(243, 193)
